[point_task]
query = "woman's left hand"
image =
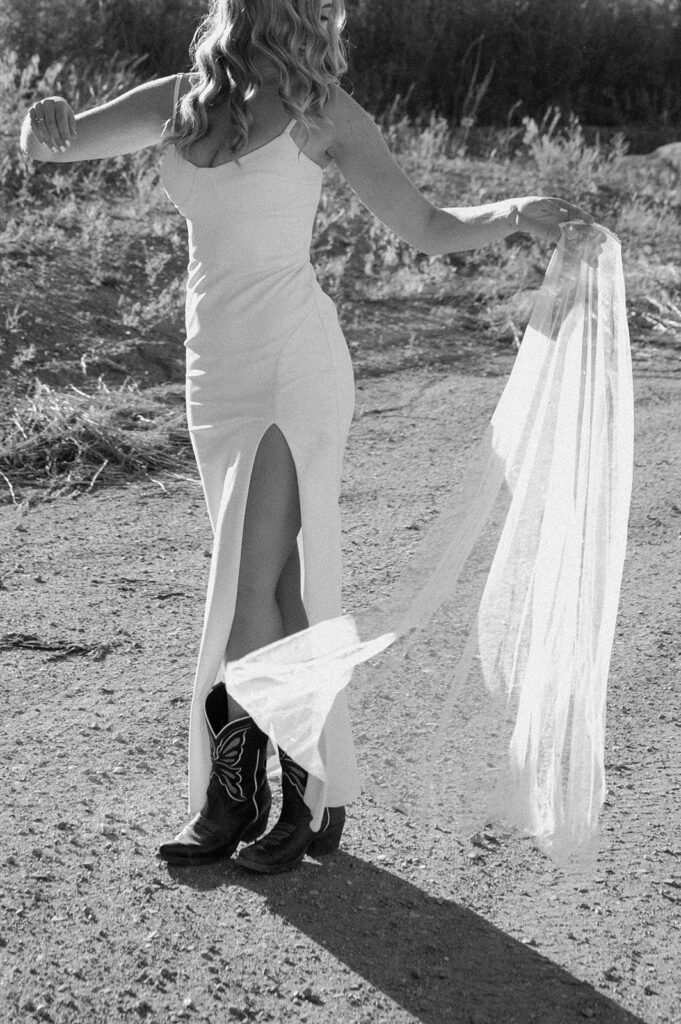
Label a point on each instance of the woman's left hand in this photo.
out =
(541, 216)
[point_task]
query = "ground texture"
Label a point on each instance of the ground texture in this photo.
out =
(101, 611)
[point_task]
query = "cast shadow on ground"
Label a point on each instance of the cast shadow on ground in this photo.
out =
(442, 963)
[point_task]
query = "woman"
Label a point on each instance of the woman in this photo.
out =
(269, 379)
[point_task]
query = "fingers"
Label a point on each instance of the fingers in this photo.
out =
(568, 211)
(62, 125)
(53, 123)
(37, 119)
(42, 124)
(544, 217)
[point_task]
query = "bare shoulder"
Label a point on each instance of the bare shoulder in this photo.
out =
(342, 109)
(349, 122)
(174, 88)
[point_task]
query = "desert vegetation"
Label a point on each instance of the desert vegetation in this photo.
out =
(93, 255)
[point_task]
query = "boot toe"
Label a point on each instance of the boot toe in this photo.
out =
(199, 842)
(284, 847)
(191, 853)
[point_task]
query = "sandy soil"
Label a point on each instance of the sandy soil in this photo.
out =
(93, 757)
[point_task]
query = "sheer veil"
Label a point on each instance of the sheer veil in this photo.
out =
(501, 625)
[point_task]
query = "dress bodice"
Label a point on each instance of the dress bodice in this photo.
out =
(248, 216)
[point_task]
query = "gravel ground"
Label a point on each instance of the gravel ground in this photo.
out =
(95, 708)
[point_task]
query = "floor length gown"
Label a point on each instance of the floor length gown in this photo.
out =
(263, 347)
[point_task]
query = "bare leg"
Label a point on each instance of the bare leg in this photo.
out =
(289, 596)
(271, 524)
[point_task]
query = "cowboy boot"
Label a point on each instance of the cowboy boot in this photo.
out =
(238, 799)
(291, 838)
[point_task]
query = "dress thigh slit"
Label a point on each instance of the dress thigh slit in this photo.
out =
(318, 538)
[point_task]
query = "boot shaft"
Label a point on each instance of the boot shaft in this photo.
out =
(293, 785)
(238, 751)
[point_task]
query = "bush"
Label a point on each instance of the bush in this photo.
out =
(69, 31)
(586, 57)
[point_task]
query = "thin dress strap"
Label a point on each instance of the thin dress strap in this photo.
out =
(176, 96)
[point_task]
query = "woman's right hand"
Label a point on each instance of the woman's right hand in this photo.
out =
(53, 122)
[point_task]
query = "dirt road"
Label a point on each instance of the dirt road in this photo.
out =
(94, 929)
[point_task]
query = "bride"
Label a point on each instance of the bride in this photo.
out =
(269, 382)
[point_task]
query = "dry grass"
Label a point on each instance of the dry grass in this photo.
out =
(66, 440)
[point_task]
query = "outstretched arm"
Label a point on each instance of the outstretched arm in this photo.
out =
(52, 131)
(366, 163)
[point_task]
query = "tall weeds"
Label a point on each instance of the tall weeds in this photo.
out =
(608, 63)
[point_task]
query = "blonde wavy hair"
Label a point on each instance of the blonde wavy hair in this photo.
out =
(228, 48)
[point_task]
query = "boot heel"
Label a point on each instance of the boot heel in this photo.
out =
(327, 843)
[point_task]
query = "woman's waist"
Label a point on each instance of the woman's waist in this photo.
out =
(257, 315)
(246, 271)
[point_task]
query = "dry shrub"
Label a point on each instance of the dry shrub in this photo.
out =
(67, 439)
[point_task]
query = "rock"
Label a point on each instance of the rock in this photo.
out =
(309, 995)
